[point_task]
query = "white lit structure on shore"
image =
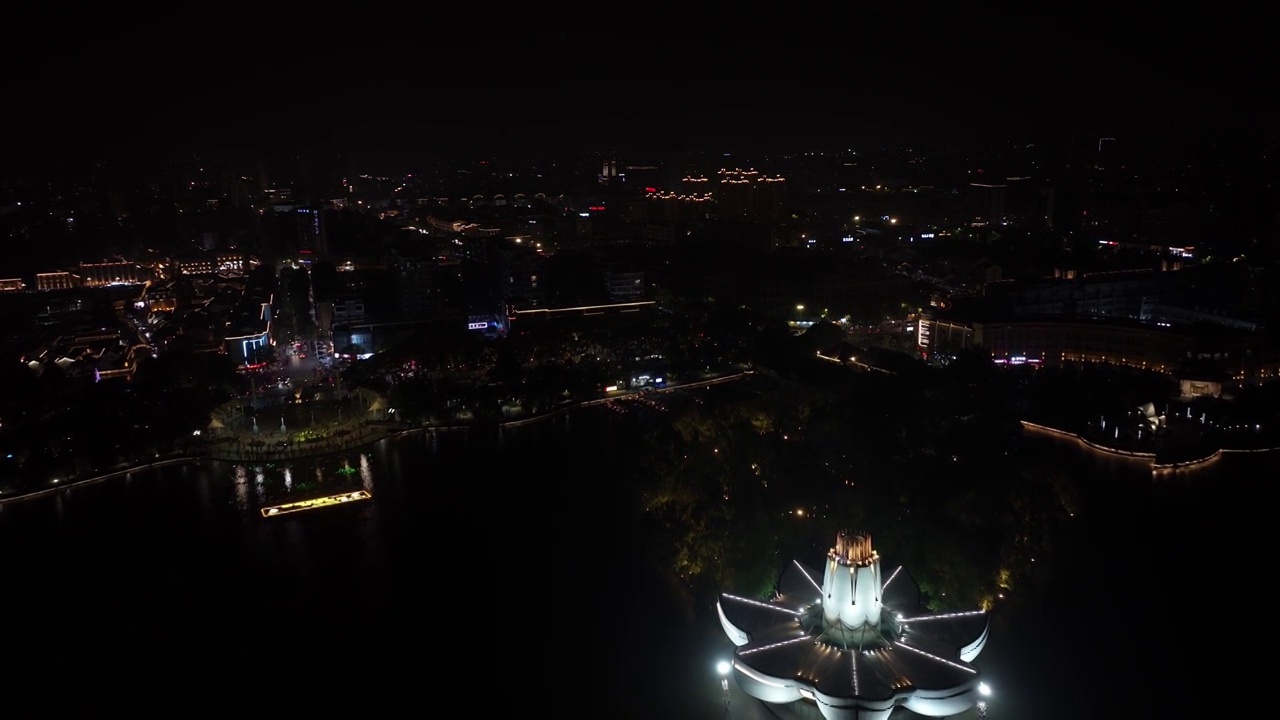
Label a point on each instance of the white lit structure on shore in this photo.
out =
(857, 646)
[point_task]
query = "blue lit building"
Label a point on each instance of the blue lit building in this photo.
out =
(492, 325)
(250, 329)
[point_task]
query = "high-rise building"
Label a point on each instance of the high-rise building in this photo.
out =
(625, 286)
(609, 170)
(418, 285)
(988, 202)
(1106, 158)
(313, 232)
(750, 196)
(521, 275)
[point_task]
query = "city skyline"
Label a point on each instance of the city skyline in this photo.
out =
(657, 305)
(375, 84)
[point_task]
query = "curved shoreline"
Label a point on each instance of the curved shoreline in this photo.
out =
(63, 487)
(1159, 470)
(388, 434)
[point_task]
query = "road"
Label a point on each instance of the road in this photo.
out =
(303, 366)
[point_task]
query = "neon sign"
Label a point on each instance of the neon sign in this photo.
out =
(477, 325)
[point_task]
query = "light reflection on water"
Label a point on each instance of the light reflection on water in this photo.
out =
(242, 487)
(364, 561)
(204, 482)
(300, 479)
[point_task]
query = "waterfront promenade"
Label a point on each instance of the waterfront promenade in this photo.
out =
(241, 448)
(235, 444)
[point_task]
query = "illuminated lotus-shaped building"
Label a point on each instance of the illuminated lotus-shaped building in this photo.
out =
(855, 646)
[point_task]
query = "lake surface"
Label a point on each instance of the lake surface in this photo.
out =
(509, 571)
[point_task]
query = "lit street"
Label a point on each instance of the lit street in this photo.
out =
(296, 367)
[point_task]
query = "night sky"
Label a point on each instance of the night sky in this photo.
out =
(641, 76)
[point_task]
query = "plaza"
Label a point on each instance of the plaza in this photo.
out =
(293, 426)
(855, 645)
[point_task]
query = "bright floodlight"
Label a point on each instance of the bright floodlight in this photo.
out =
(786, 656)
(984, 689)
(723, 667)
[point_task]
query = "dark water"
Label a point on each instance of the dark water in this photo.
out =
(1136, 611)
(509, 574)
(491, 569)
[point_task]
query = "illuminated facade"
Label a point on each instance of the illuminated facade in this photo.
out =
(856, 646)
(1239, 355)
(313, 232)
(12, 285)
(226, 263)
(57, 281)
(250, 340)
(101, 354)
(1055, 342)
(112, 273)
(751, 196)
(665, 206)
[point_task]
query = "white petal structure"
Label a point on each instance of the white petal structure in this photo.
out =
(857, 646)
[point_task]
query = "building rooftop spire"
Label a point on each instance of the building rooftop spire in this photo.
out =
(854, 548)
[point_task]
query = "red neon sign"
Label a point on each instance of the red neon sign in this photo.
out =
(596, 208)
(651, 189)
